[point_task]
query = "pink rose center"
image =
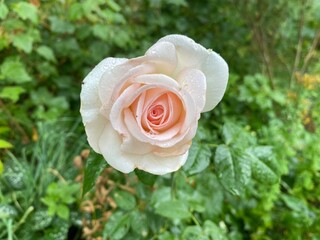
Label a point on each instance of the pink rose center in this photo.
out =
(159, 111)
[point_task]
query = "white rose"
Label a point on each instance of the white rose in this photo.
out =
(143, 112)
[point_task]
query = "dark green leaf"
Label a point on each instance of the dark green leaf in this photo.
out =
(94, 166)
(117, 226)
(145, 177)
(140, 223)
(40, 220)
(198, 159)
(233, 169)
(124, 200)
(263, 164)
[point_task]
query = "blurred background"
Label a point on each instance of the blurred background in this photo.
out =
(266, 187)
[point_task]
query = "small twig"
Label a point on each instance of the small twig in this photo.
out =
(299, 46)
(57, 174)
(311, 52)
(23, 219)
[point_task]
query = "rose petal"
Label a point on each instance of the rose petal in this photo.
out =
(94, 130)
(112, 82)
(193, 55)
(161, 165)
(90, 102)
(109, 144)
(194, 82)
(217, 73)
(164, 54)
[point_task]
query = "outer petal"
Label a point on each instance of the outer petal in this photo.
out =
(110, 143)
(194, 82)
(90, 102)
(193, 55)
(164, 54)
(94, 130)
(217, 73)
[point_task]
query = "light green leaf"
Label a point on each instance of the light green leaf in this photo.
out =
(117, 226)
(23, 42)
(5, 144)
(14, 71)
(233, 169)
(93, 168)
(46, 53)
(63, 211)
(124, 200)
(264, 167)
(213, 231)
(193, 232)
(12, 93)
(26, 11)
(3, 10)
(198, 159)
(174, 209)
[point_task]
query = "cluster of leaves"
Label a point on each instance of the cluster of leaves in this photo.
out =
(253, 170)
(38, 189)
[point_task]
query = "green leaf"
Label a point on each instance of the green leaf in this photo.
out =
(93, 169)
(46, 53)
(193, 232)
(124, 200)
(12, 93)
(3, 10)
(139, 223)
(5, 144)
(40, 220)
(213, 231)
(14, 71)
(198, 159)
(7, 210)
(63, 211)
(23, 42)
(174, 209)
(145, 177)
(26, 11)
(263, 164)
(60, 26)
(233, 169)
(117, 226)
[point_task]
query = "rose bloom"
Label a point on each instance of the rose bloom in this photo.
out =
(143, 112)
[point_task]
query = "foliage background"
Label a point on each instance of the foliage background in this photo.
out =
(254, 167)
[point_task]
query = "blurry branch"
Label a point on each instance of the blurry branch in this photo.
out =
(311, 52)
(299, 46)
(258, 35)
